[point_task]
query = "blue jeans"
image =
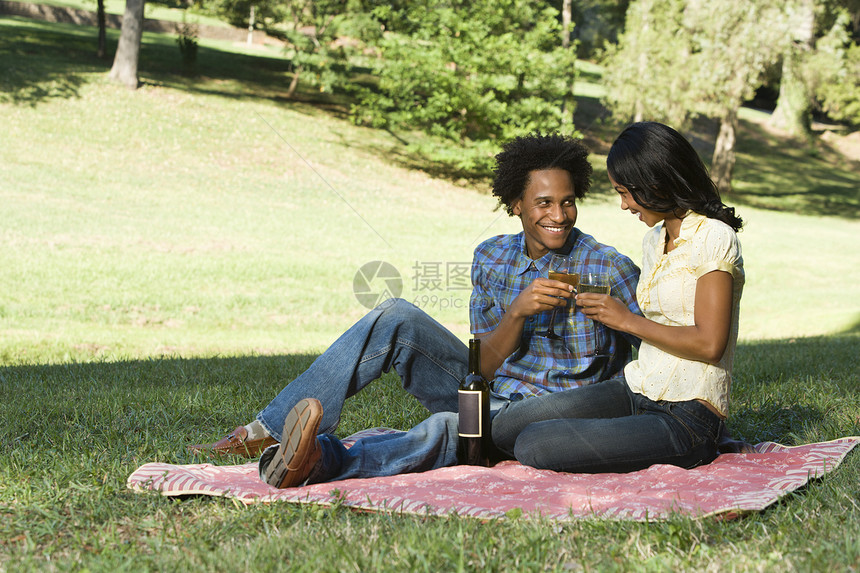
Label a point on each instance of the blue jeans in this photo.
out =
(430, 445)
(428, 357)
(430, 361)
(605, 427)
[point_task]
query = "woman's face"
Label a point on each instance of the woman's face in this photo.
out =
(628, 203)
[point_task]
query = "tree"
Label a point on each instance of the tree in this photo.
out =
(473, 70)
(645, 70)
(314, 30)
(101, 51)
(732, 52)
(679, 59)
(793, 112)
(835, 72)
(568, 103)
(319, 33)
(598, 22)
(124, 69)
(819, 66)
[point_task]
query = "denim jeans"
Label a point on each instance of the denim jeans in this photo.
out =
(430, 361)
(605, 427)
(430, 445)
(428, 357)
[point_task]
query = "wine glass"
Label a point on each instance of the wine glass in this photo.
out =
(596, 282)
(560, 269)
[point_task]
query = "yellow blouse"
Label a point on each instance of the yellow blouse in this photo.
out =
(666, 294)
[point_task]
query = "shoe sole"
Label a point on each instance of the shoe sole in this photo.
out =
(300, 432)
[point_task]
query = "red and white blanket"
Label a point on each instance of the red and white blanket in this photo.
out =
(731, 485)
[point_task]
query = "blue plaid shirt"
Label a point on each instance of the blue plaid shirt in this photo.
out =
(501, 269)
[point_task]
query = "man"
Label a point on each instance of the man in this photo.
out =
(538, 179)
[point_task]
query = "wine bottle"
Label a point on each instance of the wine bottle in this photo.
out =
(475, 440)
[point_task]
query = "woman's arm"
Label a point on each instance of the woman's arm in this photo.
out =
(705, 341)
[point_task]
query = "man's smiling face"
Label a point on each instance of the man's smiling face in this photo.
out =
(547, 210)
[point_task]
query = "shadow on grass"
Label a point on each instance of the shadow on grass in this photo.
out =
(788, 391)
(40, 61)
(441, 159)
(797, 390)
(155, 407)
(795, 177)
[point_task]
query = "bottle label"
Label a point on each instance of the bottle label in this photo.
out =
(470, 422)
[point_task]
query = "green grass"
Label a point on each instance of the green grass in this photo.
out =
(153, 10)
(173, 256)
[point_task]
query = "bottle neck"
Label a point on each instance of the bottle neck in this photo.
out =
(474, 356)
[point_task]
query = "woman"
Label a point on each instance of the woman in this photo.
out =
(669, 406)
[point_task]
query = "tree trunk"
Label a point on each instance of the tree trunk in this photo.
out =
(251, 23)
(124, 69)
(723, 162)
(295, 81)
(567, 105)
(793, 112)
(101, 51)
(638, 106)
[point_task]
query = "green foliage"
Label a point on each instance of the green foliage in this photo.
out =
(267, 13)
(598, 22)
(833, 71)
(647, 71)
(320, 34)
(732, 50)
(678, 59)
(461, 70)
(187, 40)
(468, 70)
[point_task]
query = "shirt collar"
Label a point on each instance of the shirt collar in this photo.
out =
(690, 223)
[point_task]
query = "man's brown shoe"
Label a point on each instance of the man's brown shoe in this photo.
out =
(236, 442)
(299, 451)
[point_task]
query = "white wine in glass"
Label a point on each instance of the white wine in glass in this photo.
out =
(598, 289)
(560, 269)
(598, 283)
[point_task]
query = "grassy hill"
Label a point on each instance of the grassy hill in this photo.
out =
(219, 179)
(172, 256)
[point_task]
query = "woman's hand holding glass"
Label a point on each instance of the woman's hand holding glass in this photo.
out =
(594, 300)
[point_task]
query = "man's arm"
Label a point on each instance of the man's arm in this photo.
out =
(497, 344)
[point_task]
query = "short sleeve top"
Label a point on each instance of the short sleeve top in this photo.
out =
(666, 295)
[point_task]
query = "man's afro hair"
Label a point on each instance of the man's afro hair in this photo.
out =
(535, 152)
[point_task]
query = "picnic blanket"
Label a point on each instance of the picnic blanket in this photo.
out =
(731, 485)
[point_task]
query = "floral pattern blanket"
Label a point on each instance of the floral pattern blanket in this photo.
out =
(732, 485)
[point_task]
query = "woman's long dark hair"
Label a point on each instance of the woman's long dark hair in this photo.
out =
(664, 173)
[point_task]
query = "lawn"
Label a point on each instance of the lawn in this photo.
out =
(173, 256)
(168, 11)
